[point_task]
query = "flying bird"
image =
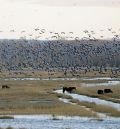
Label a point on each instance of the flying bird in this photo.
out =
(23, 31)
(113, 32)
(54, 37)
(43, 30)
(30, 34)
(76, 38)
(36, 29)
(101, 36)
(71, 32)
(109, 29)
(12, 30)
(85, 31)
(62, 32)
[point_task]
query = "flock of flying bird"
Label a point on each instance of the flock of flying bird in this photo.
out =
(40, 54)
(38, 34)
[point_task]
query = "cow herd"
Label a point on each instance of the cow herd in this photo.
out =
(104, 91)
(70, 89)
(60, 55)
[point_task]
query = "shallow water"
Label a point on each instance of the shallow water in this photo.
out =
(99, 78)
(32, 79)
(59, 122)
(92, 100)
(109, 83)
(75, 78)
(66, 101)
(43, 102)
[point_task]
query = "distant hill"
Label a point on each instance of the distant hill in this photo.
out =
(40, 55)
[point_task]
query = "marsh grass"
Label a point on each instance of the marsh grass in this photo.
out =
(54, 117)
(63, 96)
(99, 108)
(16, 100)
(6, 117)
(9, 128)
(54, 74)
(96, 119)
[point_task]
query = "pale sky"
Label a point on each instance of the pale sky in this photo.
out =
(58, 16)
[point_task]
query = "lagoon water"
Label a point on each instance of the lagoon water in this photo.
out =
(60, 78)
(59, 122)
(109, 83)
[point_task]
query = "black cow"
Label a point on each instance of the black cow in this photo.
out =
(100, 91)
(5, 87)
(68, 89)
(108, 91)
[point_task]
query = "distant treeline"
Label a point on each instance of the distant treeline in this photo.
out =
(42, 55)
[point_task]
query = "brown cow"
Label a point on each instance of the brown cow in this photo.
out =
(108, 91)
(100, 91)
(68, 89)
(5, 87)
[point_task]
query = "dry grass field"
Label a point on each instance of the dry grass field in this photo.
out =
(46, 74)
(37, 97)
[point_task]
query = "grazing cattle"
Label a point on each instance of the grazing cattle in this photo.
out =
(68, 89)
(100, 91)
(108, 91)
(5, 87)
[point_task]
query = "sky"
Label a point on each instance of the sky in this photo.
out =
(59, 16)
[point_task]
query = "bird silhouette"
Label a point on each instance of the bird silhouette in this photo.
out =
(70, 32)
(12, 30)
(62, 32)
(36, 29)
(85, 31)
(109, 29)
(43, 30)
(23, 31)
